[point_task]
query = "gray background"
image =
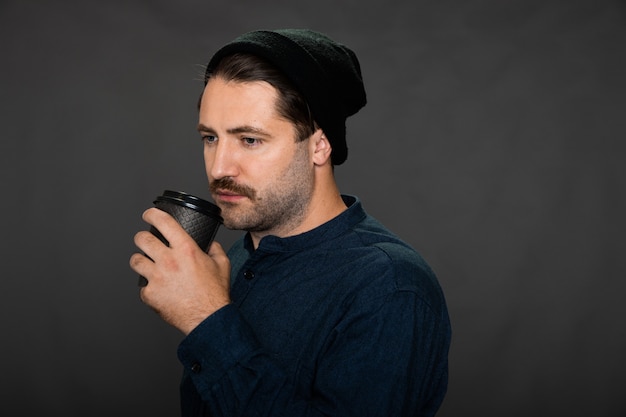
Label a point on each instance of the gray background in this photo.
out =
(492, 142)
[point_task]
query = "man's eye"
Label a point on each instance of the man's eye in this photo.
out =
(250, 141)
(208, 138)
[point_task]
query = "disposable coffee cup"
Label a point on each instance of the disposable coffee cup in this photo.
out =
(200, 218)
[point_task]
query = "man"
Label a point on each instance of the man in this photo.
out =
(318, 309)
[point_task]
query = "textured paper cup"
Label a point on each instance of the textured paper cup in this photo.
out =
(200, 218)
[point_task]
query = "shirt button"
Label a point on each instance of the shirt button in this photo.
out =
(248, 274)
(195, 368)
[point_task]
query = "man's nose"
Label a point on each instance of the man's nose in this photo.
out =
(221, 161)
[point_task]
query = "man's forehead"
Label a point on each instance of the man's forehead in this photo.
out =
(259, 97)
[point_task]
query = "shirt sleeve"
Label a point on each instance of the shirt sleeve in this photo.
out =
(387, 357)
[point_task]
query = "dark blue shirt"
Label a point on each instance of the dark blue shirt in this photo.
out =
(343, 320)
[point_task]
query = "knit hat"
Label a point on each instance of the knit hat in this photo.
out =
(325, 72)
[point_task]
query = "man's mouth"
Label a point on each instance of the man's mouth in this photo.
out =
(225, 196)
(227, 193)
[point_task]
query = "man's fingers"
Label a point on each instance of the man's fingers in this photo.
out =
(140, 263)
(167, 225)
(148, 243)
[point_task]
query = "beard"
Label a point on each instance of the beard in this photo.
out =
(280, 207)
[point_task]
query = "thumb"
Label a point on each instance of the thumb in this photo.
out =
(216, 250)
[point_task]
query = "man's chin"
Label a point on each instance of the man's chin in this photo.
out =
(232, 219)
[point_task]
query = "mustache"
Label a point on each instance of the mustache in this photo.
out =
(227, 184)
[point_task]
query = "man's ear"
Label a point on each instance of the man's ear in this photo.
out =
(321, 148)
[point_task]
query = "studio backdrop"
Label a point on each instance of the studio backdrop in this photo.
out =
(492, 142)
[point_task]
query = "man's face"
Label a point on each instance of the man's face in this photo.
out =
(259, 176)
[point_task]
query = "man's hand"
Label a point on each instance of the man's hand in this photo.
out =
(185, 285)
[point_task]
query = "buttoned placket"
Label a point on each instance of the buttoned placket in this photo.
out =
(248, 275)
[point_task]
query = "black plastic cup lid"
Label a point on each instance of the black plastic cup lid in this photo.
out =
(192, 202)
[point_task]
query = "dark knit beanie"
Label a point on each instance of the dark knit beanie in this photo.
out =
(325, 72)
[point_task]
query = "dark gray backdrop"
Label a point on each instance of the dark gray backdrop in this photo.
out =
(492, 142)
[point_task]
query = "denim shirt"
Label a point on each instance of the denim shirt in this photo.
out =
(343, 320)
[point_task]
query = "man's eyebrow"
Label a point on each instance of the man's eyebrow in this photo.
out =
(236, 130)
(248, 129)
(204, 128)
